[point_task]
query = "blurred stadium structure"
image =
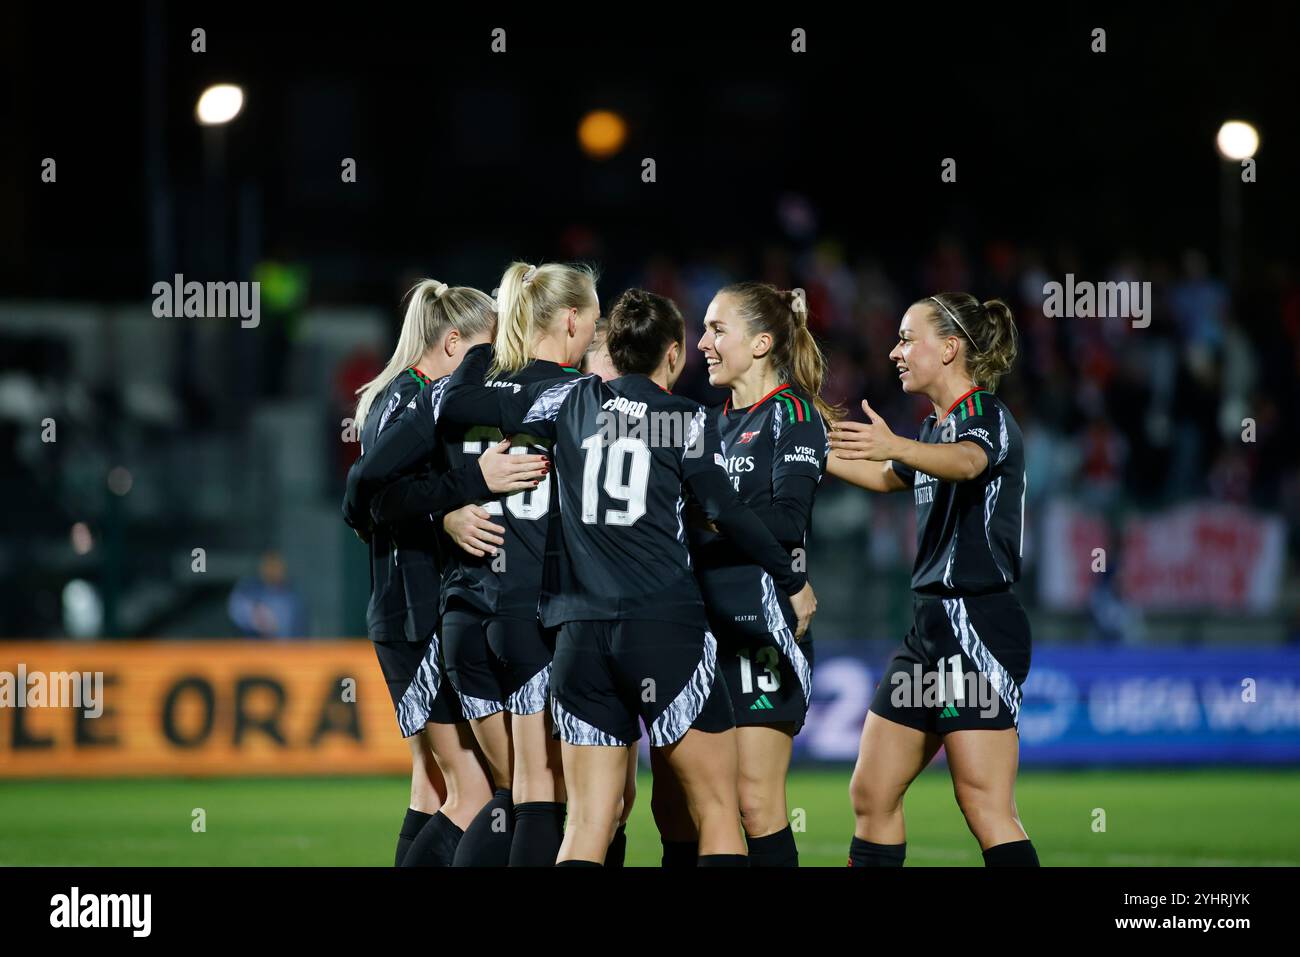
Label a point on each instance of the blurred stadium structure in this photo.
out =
(177, 434)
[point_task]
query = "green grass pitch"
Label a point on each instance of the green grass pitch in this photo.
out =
(1153, 818)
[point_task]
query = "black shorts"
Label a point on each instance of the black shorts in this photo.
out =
(417, 683)
(610, 673)
(769, 677)
(961, 666)
(495, 663)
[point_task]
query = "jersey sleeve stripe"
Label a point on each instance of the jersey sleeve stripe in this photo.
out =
(801, 406)
(794, 405)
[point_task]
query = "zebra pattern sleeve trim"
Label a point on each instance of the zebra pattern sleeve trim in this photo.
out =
(547, 405)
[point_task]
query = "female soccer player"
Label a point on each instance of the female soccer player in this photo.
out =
(756, 343)
(956, 679)
(448, 785)
(498, 658)
(598, 362)
(633, 638)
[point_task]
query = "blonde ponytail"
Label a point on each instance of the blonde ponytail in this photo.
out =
(529, 299)
(432, 309)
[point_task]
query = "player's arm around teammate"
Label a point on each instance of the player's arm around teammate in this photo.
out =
(756, 343)
(448, 786)
(970, 635)
(499, 657)
(641, 619)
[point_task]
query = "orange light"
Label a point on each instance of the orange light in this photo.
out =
(602, 133)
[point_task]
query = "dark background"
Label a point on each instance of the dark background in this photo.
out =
(819, 170)
(470, 154)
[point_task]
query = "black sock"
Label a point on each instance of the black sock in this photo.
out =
(539, 832)
(617, 852)
(680, 853)
(487, 839)
(1012, 854)
(410, 827)
(773, 850)
(577, 864)
(722, 860)
(435, 845)
(865, 854)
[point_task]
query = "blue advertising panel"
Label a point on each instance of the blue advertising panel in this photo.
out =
(1100, 705)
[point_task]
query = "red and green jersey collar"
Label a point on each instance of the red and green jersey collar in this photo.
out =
(558, 365)
(726, 406)
(418, 376)
(970, 404)
(795, 407)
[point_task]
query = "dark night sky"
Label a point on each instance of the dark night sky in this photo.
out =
(466, 154)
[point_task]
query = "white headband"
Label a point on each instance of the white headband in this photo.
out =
(969, 338)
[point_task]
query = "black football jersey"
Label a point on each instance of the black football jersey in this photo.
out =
(774, 453)
(970, 535)
(624, 452)
(403, 560)
(510, 582)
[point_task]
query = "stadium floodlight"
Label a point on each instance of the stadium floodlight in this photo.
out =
(602, 133)
(1237, 140)
(219, 104)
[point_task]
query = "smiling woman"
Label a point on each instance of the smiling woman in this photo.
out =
(757, 344)
(967, 468)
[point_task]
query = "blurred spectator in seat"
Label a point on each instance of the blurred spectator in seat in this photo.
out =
(267, 605)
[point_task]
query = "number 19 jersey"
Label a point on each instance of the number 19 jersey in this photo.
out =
(623, 451)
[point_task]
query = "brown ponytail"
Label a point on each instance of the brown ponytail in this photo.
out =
(642, 326)
(987, 328)
(795, 354)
